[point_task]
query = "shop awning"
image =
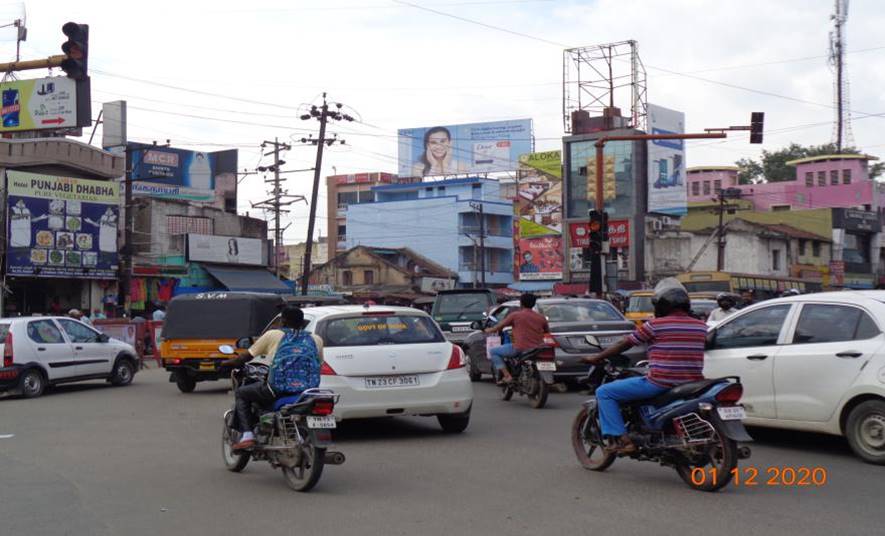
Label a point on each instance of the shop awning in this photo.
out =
(247, 279)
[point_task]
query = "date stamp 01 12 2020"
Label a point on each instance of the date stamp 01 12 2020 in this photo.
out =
(763, 476)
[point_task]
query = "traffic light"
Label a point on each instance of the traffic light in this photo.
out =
(76, 48)
(756, 121)
(597, 231)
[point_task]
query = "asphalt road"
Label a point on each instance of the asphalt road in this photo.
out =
(145, 459)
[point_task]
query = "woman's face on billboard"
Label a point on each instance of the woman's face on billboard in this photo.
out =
(438, 144)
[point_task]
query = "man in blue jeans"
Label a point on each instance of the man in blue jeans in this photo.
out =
(529, 328)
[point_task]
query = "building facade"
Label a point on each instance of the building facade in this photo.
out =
(292, 259)
(343, 191)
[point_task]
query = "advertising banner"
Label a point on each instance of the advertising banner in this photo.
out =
(538, 217)
(435, 284)
(540, 258)
(618, 234)
(178, 173)
(39, 104)
(61, 227)
(666, 163)
(461, 149)
(225, 249)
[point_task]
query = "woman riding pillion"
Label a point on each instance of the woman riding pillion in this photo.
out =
(295, 358)
(675, 354)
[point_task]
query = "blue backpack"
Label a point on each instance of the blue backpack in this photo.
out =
(296, 365)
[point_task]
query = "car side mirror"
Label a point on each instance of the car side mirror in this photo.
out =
(103, 338)
(244, 343)
(711, 340)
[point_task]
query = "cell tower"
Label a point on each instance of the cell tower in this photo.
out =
(842, 135)
(601, 77)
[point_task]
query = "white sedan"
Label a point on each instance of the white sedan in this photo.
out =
(388, 361)
(814, 362)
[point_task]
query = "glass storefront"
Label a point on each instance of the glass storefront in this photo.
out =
(583, 154)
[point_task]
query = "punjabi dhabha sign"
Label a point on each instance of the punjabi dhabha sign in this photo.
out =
(537, 233)
(61, 227)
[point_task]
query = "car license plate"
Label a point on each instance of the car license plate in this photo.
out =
(327, 421)
(207, 366)
(608, 340)
(460, 329)
(546, 366)
(381, 382)
(731, 413)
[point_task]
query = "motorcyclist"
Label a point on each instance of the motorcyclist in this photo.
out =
(529, 328)
(675, 353)
(726, 307)
(295, 357)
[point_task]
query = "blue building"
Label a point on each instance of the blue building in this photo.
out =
(440, 220)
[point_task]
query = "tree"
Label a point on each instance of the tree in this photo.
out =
(773, 164)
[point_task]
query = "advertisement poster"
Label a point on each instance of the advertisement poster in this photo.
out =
(39, 104)
(178, 173)
(618, 234)
(540, 258)
(666, 163)
(225, 249)
(538, 217)
(61, 227)
(460, 149)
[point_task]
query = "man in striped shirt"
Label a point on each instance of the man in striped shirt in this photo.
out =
(675, 354)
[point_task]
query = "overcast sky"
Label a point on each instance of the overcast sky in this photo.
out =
(400, 66)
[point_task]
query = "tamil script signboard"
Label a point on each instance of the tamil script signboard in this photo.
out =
(225, 249)
(43, 103)
(61, 227)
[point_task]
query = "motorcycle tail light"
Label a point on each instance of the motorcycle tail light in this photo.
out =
(7, 351)
(457, 359)
(327, 370)
(731, 394)
(547, 353)
(550, 340)
(323, 407)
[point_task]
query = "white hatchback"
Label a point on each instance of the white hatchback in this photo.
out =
(814, 362)
(389, 361)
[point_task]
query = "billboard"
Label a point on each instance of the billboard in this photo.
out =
(579, 232)
(61, 227)
(461, 149)
(540, 258)
(178, 173)
(667, 193)
(42, 103)
(538, 217)
(225, 249)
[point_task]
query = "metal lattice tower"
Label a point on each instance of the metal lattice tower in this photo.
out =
(604, 76)
(842, 134)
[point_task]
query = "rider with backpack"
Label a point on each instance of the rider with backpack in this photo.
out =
(296, 356)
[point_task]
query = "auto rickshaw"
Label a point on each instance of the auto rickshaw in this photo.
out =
(197, 324)
(640, 307)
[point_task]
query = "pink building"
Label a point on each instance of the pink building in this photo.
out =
(704, 183)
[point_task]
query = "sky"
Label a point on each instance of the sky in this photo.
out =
(211, 75)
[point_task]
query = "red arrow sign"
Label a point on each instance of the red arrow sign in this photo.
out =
(57, 121)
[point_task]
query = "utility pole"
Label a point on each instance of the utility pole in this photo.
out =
(479, 207)
(720, 253)
(321, 114)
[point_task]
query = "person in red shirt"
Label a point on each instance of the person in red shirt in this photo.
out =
(529, 328)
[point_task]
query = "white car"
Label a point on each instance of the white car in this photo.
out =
(388, 361)
(814, 362)
(42, 351)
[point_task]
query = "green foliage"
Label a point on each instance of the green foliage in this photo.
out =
(773, 167)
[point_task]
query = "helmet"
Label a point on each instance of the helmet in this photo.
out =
(670, 296)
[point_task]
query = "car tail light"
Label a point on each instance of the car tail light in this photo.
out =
(323, 407)
(7, 350)
(173, 361)
(457, 359)
(731, 394)
(327, 370)
(550, 340)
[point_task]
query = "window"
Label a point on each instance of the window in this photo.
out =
(809, 178)
(440, 190)
(580, 312)
(758, 328)
(780, 208)
(347, 278)
(77, 332)
(477, 191)
(500, 313)
(833, 323)
(342, 232)
(369, 277)
(706, 187)
(372, 330)
(696, 188)
(717, 186)
(801, 247)
(834, 177)
(846, 176)
(856, 248)
(179, 225)
(815, 248)
(821, 178)
(4, 330)
(775, 259)
(44, 332)
(347, 198)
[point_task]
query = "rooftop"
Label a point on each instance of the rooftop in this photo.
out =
(430, 184)
(699, 169)
(825, 157)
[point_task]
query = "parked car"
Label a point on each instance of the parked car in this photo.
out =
(43, 351)
(814, 362)
(456, 309)
(578, 326)
(701, 308)
(387, 361)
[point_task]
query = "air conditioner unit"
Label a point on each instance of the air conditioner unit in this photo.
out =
(666, 221)
(657, 225)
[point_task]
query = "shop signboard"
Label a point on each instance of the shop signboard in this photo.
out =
(61, 227)
(39, 104)
(667, 193)
(172, 173)
(225, 250)
(837, 273)
(618, 234)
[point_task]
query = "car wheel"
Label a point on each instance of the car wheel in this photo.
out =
(865, 431)
(185, 383)
(33, 383)
(123, 373)
(473, 370)
(454, 424)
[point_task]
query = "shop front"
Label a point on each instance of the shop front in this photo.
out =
(856, 240)
(235, 263)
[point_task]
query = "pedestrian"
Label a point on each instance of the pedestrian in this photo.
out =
(97, 314)
(55, 307)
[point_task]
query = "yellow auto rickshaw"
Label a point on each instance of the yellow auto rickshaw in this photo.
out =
(197, 324)
(640, 307)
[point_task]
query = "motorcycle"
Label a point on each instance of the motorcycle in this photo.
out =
(532, 373)
(294, 436)
(695, 428)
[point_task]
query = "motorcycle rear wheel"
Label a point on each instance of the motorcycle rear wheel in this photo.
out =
(538, 396)
(306, 475)
(234, 462)
(717, 473)
(506, 389)
(587, 447)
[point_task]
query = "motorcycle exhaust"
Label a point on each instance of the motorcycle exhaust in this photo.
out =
(743, 453)
(333, 458)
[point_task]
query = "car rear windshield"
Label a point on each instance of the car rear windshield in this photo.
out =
(461, 304)
(580, 312)
(4, 329)
(640, 304)
(386, 329)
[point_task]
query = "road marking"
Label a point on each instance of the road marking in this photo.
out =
(7, 436)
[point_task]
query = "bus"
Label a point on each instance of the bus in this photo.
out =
(763, 286)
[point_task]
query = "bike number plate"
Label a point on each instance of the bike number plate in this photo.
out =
(327, 421)
(546, 366)
(731, 413)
